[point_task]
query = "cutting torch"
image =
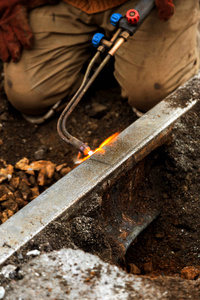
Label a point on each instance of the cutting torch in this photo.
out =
(126, 26)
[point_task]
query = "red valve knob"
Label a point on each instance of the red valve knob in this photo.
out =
(132, 16)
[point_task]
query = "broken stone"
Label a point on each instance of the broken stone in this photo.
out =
(35, 192)
(58, 168)
(50, 169)
(65, 171)
(33, 253)
(7, 270)
(23, 164)
(21, 202)
(32, 180)
(46, 171)
(14, 183)
(41, 177)
(6, 214)
(7, 196)
(3, 190)
(148, 267)
(97, 110)
(41, 164)
(10, 204)
(17, 194)
(25, 190)
(3, 198)
(190, 272)
(6, 173)
(40, 153)
(134, 269)
(9, 213)
(23, 177)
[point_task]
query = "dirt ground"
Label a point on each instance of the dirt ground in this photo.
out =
(170, 246)
(19, 139)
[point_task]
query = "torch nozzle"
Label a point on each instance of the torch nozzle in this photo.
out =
(85, 150)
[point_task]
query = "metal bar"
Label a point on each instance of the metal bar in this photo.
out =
(132, 145)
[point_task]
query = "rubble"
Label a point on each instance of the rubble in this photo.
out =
(191, 272)
(23, 182)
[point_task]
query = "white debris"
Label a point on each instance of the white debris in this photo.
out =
(2, 292)
(33, 253)
(7, 270)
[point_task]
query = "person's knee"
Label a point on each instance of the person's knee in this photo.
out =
(142, 92)
(22, 96)
(143, 96)
(152, 86)
(28, 94)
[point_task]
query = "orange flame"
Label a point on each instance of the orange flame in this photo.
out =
(108, 141)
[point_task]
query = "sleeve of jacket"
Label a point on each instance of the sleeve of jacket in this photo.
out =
(165, 9)
(15, 32)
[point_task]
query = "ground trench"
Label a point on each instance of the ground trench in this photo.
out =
(168, 178)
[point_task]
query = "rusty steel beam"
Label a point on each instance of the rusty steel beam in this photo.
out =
(132, 145)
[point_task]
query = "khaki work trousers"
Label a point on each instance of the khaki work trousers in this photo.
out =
(160, 57)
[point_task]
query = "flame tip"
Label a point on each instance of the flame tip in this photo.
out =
(91, 152)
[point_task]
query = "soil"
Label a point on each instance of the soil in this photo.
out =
(170, 246)
(100, 114)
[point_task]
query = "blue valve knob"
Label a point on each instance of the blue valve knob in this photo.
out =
(97, 39)
(114, 19)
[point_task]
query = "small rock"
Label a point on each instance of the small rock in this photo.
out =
(50, 169)
(134, 269)
(25, 190)
(21, 203)
(58, 168)
(148, 267)
(41, 177)
(46, 170)
(20, 256)
(1, 142)
(97, 110)
(190, 272)
(40, 164)
(23, 164)
(14, 183)
(160, 235)
(6, 173)
(35, 192)
(7, 270)
(65, 171)
(3, 190)
(40, 153)
(33, 253)
(32, 180)
(6, 214)
(10, 204)
(2, 292)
